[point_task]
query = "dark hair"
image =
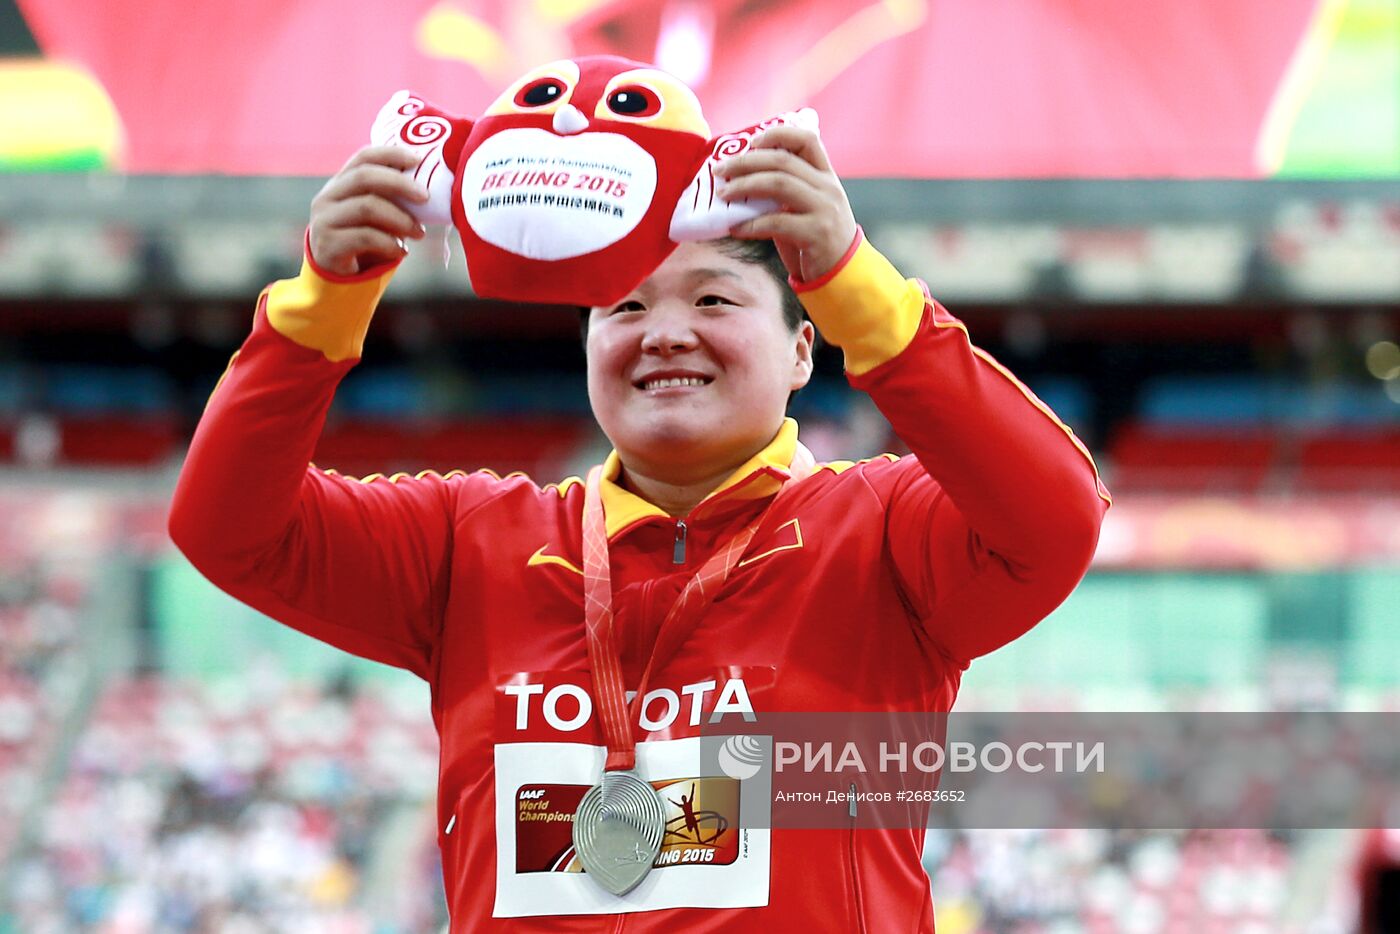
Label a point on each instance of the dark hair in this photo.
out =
(761, 253)
(764, 253)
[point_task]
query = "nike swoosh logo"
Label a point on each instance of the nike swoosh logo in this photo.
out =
(792, 539)
(540, 557)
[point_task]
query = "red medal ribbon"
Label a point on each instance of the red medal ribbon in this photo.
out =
(610, 694)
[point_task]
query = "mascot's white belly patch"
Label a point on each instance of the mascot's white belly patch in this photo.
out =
(549, 197)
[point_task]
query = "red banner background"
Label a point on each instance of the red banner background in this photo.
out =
(916, 88)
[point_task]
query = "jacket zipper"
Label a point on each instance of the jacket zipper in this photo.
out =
(678, 552)
(677, 557)
(851, 863)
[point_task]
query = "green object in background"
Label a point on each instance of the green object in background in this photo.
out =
(1309, 609)
(1171, 630)
(202, 632)
(56, 118)
(1348, 122)
(77, 160)
(1116, 632)
(1372, 656)
(1126, 631)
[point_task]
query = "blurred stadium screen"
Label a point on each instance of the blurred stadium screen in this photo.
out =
(1178, 222)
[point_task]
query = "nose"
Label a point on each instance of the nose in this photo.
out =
(668, 332)
(569, 120)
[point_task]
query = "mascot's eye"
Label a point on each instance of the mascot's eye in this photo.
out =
(634, 101)
(541, 92)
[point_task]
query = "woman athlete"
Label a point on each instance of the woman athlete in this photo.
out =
(865, 586)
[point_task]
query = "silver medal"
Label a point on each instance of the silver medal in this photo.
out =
(618, 829)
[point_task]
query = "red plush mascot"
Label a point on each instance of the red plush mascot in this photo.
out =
(577, 182)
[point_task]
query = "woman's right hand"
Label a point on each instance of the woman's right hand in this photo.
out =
(357, 218)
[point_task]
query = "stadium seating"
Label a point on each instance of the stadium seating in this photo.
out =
(1244, 434)
(1108, 882)
(45, 579)
(1191, 460)
(1340, 461)
(1212, 435)
(130, 441)
(251, 805)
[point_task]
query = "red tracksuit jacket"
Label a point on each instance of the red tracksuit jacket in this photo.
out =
(872, 589)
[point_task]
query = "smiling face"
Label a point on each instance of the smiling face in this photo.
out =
(690, 374)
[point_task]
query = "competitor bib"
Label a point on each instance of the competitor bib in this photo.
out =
(550, 751)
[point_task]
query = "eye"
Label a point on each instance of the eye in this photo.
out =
(539, 93)
(629, 306)
(714, 300)
(648, 97)
(634, 101)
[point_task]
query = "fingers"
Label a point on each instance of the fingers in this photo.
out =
(755, 160)
(395, 157)
(348, 251)
(373, 179)
(788, 165)
(371, 211)
(366, 240)
(770, 160)
(793, 228)
(790, 191)
(362, 214)
(813, 225)
(805, 144)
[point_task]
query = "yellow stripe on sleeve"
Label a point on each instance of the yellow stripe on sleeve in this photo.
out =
(326, 315)
(867, 309)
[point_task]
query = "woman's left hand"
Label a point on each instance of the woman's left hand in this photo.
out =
(813, 227)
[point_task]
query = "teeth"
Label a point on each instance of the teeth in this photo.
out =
(672, 382)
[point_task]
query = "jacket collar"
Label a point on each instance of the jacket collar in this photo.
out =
(761, 475)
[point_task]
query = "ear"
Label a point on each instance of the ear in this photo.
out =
(806, 349)
(436, 137)
(700, 214)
